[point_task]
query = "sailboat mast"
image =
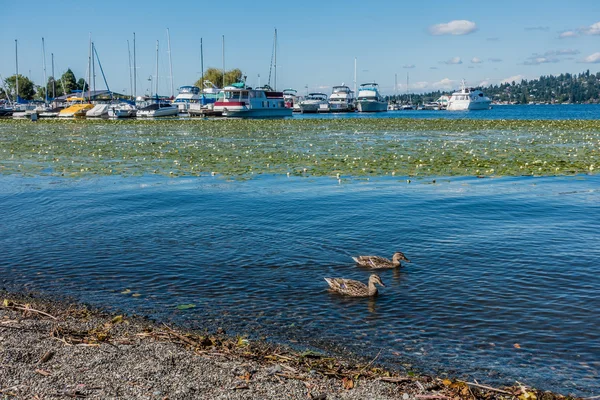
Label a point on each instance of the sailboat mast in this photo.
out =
(45, 80)
(395, 86)
(17, 75)
(53, 79)
(170, 62)
(355, 76)
(134, 70)
(202, 70)
(157, 70)
(275, 64)
(93, 67)
(223, 60)
(409, 99)
(89, 72)
(130, 80)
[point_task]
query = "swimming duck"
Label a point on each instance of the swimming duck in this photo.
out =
(376, 262)
(354, 288)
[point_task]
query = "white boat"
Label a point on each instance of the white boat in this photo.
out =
(369, 99)
(393, 107)
(341, 99)
(158, 109)
(238, 101)
(290, 98)
(187, 95)
(443, 102)
(468, 99)
(407, 106)
(122, 110)
(314, 102)
(432, 106)
(98, 111)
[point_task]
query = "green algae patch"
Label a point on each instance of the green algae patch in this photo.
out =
(346, 147)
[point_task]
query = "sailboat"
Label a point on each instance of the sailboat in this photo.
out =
(159, 108)
(77, 106)
(409, 105)
(126, 109)
(21, 109)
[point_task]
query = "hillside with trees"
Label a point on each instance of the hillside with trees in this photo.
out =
(564, 88)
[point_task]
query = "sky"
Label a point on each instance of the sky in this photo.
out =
(435, 44)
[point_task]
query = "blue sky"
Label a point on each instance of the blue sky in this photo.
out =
(437, 42)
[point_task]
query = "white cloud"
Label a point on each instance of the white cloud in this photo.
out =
(456, 27)
(419, 85)
(593, 29)
(476, 60)
(514, 78)
(453, 60)
(444, 84)
(568, 34)
(540, 60)
(408, 66)
(592, 59)
(562, 52)
(485, 82)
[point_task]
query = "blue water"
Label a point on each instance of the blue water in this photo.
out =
(536, 112)
(503, 283)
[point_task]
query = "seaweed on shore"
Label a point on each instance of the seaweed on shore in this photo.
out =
(77, 325)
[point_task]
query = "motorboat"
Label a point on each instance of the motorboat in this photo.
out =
(443, 101)
(341, 99)
(50, 112)
(158, 109)
(290, 97)
(99, 111)
(123, 109)
(407, 107)
(468, 99)
(431, 106)
(239, 101)
(314, 103)
(393, 107)
(206, 101)
(76, 107)
(187, 96)
(369, 98)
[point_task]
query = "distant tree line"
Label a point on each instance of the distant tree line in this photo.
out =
(28, 90)
(565, 88)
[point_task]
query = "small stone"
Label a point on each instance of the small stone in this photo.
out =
(405, 396)
(275, 369)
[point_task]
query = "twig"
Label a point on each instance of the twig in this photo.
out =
(394, 379)
(35, 311)
(369, 364)
(425, 396)
(487, 387)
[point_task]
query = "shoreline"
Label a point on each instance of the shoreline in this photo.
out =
(55, 348)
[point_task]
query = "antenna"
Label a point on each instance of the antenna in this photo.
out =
(130, 79)
(134, 71)
(170, 62)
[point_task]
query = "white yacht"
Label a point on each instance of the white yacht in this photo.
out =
(187, 96)
(122, 110)
(314, 103)
(341, 99)
(369, 98)
(468, 99)
(239, 101)
(158, 109)
(290, 97)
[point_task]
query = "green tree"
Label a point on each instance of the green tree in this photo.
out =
(69, 82)
(215, 76)
(26, 87)
(82, 85)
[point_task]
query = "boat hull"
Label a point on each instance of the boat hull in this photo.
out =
(160, 112)
(468, 105)
(372, 106)
(257, 113)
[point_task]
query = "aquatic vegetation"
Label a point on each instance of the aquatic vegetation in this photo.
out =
(340, 147)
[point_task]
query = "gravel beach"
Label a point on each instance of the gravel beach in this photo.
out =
(57, 350)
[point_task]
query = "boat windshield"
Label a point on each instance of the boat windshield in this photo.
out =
(235, 94)
(189, 89)
(316, 96)
(338, 89)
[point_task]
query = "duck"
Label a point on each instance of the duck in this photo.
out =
(352, 288)
(376, 262)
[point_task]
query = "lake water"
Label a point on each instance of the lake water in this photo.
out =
(503, 285)
(538, 112)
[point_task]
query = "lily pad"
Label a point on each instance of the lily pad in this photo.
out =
(185, 306)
